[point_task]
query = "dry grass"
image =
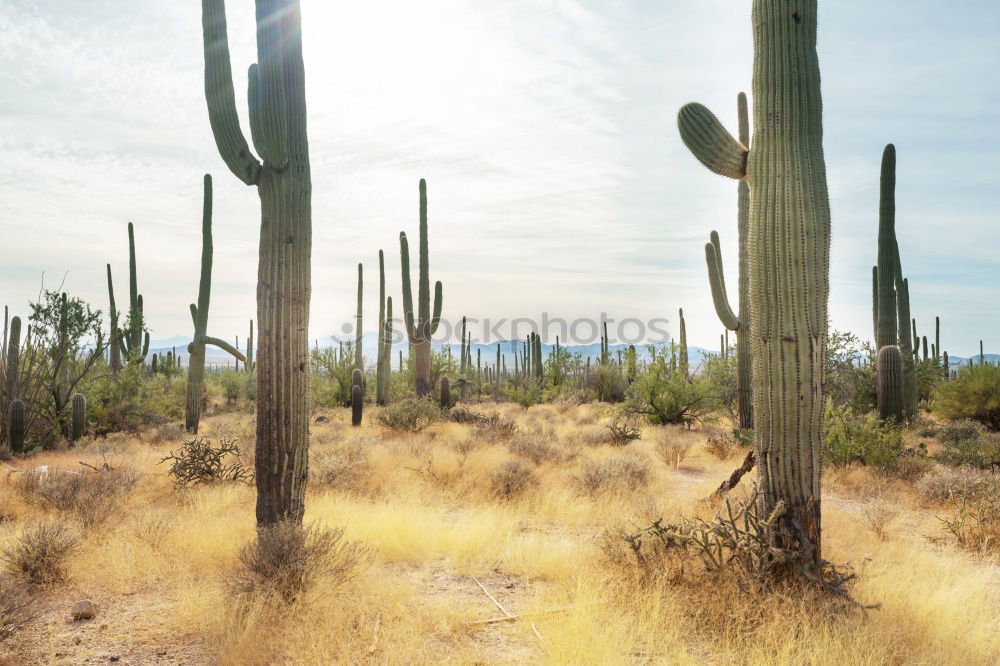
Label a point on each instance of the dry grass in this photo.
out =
(163, 572)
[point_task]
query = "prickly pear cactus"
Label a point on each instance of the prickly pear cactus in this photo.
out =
(789, 256)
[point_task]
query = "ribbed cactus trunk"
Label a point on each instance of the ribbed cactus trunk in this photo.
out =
(359, 357)
(114, 334)
(740, 323)
(278, 130)
(422, 325)
(789, 255)
(78, 420)
(382, 358)
(199, 315)
(683, 343)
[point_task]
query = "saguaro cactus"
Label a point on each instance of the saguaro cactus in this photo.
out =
(789, 255)
(357, 396)
(13, 351)
(359, 357)
(420, 328)
(199, 314)
(739, 323)
(889, 363)
(114, 333)
(79, 420)
(382, 357)
(445, 393)
(16, 420)
(133, 342)
(248, 366)
(683, 343)
(278, 130)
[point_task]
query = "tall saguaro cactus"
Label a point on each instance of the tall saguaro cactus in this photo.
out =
(132, 342)
(384, 345)
(420, 328)
(738, 323)
(789, 255)
(199, 313)
(278, 129)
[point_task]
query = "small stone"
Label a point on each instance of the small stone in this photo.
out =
(85, 609)
(114, 657)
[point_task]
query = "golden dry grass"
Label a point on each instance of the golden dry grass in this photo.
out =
(424, 507)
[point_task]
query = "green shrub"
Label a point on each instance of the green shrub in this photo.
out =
(608, 382)
(133, 399)
(849, 438)
(409, 415)
(973, 394)
(965, 442)
(666, 397)
(525, 393)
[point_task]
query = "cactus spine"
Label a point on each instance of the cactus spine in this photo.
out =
(16, 420)
(79, 420)
(789, 232)
(738, 323)
(278, 129)
(199, 314)
(420, 328)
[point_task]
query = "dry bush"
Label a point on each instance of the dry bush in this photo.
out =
(879, 515)
(623, 430)
(152, 530)
(342, 468)
(672, 445)
(91, 496)
(511, 479)
(943, 483)
(722, 446)
(288, 559)
(17, 608)
(975, 525)
(39, 552)
(409, 415)
(621, 472)
(168, 432)
(594, 435)
(538, 447)
(199, 462)
(496, 426)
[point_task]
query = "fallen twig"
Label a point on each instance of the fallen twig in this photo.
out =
(493, 599)
(735, 477)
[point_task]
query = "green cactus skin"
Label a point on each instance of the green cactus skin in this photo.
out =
(79, 420)
(384, 347)
(910, 397)
(133, 342)
(925, 347)
(154, 364)
(496, 383)
(387, 350)
(359, 359)
(479, 372)
(462, 360)
(683, 344)
(249, 355)
(947, 369)
(421, 328)
(114, 349)
(199, 315)
(937, 339)
(875, 302)
(277, 112)
(13, 349)
(16, 420)
(789, 246)
(445, 399)
(357, 397)
(889, 364)
(738, 323)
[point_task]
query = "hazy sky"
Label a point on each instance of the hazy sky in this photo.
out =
(545, 129)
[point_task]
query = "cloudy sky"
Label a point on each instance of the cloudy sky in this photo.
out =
(545, 130)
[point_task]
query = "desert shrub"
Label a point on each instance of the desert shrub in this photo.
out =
(671, 447)
(39, 553)
(465, 416)
(288, 559)
(511, 479)
(409, 415)
(723, 446)
(486, 424)
(132, 400)
(946, 483)
(965, 442)
(199, 461)
(524, 393)
(91, 496)
(850, 438)
(623, 430)
(538, 447)
(625, 471)
(850, 372)
(975, 526)
(342, 468)
(666, 397)
(720, 374)
(973, 394)
(594, 435)
(608, 382)
(878, 516)
(17, 608)
(331, 376)
(233, 384)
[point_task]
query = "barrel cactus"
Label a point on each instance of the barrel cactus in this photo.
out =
(789, 257)
(277, 112)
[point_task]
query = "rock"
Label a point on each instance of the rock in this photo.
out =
(85, 609)
(114, 657)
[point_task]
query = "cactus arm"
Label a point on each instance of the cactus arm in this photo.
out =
(424, 280)
(224, 346)
(219, 95)
(205, 281)
(194, 315)
(133, 285)
(404, 258)
(713, 238)
(436, 317)
(273, 114)
(253, 106)
(719, 297)
(710, 143)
